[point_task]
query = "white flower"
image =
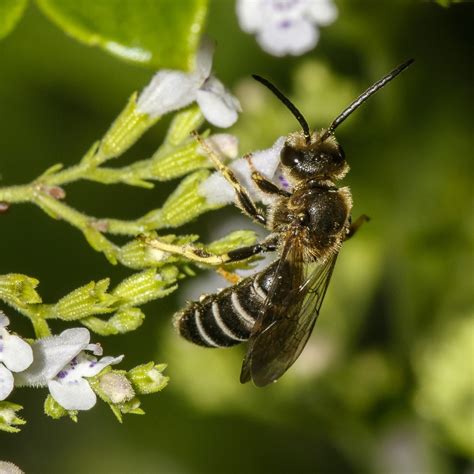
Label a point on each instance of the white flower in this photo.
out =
(217, 190)
(285, 26)
(171, 90)
(9, 468)
(15, 355)
(61, 363)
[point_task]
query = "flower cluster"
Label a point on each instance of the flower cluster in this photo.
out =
(62, 364)
(68, 364)
(285, 26)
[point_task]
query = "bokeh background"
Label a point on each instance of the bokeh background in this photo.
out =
(386, 382)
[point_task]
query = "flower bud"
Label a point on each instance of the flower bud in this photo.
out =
(183, 124)
(126, 320)
(90, 299)
(17, 289)
(185, 203)
(148, 378)
(143, 287)
(8, 417)
(116, 387)
(53, 409)
(127, 128)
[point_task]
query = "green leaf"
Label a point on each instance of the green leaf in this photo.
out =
(11, 12)
(158, 33)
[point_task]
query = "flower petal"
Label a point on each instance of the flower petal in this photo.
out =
(284, 10)
(96, 349)
(16, 354)
(288, 37)
(224, 144)
(76, 395)
(250, 15)
(204, 58)
(6, 382)
(51, 354)
(217, 104)
(4, 321)
(217, 190)
(323, 12)
(93, 367)
(168, 91)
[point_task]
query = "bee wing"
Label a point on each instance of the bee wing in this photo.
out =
(288, 316)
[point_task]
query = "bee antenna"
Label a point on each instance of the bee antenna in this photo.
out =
(292, 107)
(363, 97)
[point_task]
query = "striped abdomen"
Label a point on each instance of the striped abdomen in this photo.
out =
(226, 318)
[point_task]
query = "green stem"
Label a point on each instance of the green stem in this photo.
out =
(14, 194)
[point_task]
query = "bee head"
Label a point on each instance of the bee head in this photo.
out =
(323, 159)
(318, 155)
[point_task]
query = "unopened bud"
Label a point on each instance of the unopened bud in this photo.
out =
(127, 128)
(148, 378)
(90, 299)
(55, 191)
(126, 320)
(9, 418)
(116, 387)
(53, 409)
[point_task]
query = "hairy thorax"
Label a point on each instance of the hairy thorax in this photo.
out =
(318, 213)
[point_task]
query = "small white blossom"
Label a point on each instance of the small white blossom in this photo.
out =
(222, 144)
(61, 363)
(9, 468)
(15, 355)
(217, 190)
(172, 90)
(285, 26)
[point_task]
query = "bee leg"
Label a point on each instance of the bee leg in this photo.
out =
(244, 200)
(243, 253)
(355, 225)
(190, 252)
(198, 255)
(231, 277)
(263, 183)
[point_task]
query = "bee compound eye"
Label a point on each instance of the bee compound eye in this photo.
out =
(289, 156)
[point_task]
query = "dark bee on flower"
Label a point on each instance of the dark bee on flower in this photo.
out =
(276, 309)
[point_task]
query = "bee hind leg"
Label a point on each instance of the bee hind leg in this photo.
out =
(231, 277)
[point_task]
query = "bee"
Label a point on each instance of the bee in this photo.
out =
(277, 308)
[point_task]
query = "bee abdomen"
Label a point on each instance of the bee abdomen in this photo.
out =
(224, 319)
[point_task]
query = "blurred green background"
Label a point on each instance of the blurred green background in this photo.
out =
(386, 382)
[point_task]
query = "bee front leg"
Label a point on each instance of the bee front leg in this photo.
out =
(244, 200)
(263, 183)
(354, 227)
